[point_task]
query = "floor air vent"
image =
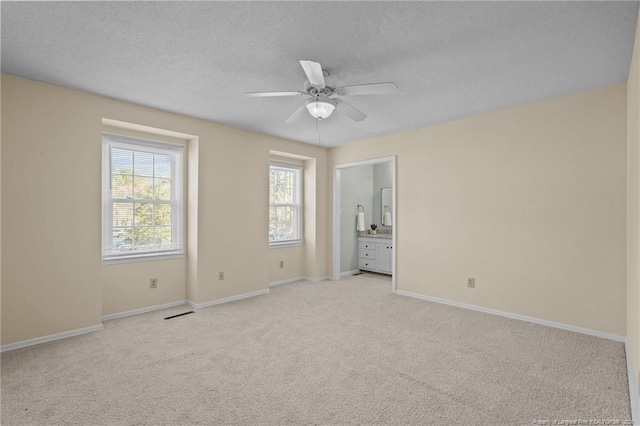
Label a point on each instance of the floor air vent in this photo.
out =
(179, 315)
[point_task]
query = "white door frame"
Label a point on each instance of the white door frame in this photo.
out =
(336, 214)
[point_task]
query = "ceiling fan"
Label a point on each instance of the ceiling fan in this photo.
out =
(323, 99)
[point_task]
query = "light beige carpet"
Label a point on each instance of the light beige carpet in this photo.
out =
(347, 352)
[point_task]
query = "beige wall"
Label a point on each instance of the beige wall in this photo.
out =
(125, 286)
(317, 239)
(294, 263)
(528, 200)
(0, 215)
(193, 215)
(51, 211)
(53, 278)
(633, 206)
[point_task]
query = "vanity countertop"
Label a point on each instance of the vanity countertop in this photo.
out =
(379, 236)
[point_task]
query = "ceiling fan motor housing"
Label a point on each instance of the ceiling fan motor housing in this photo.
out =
(312, 90)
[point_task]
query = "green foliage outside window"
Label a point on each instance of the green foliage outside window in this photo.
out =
(141, 188)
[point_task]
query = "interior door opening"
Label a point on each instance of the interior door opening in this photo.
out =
(365, 218)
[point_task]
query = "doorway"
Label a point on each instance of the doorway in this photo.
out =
(376, 207)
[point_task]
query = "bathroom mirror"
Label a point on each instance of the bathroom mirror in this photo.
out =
(386, 197)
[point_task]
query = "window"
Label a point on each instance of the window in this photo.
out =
(285, 209)
(142, 198)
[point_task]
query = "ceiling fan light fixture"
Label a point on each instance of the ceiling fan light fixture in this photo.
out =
(321, 107)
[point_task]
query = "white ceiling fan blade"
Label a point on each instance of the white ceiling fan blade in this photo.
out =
(297, 114)
(268, 94)
(313, 70)
(346, 109)
(368, 89)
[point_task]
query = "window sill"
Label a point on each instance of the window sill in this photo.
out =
(146, 257)
(286, 244)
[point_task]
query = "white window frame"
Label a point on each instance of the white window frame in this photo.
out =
(176, 151)
(298, 206)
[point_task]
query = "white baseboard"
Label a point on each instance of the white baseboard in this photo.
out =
(144, 310)
(348, 273)
(294, 279)
(50, 338)
(317, 279)
(568, 327)
(227, 299)
(286, 281)
(634, 391)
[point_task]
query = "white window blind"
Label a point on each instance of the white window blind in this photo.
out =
(285, 204)
(142, 198)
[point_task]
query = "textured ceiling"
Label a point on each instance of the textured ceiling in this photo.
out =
(449, 59)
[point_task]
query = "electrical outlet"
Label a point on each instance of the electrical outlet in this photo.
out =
(220, 276)
(282, 263)
(471, 282)
(153, 283)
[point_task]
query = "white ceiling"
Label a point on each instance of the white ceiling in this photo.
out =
(449, 59)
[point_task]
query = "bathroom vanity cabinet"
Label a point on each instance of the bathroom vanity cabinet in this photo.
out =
(375, 254)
